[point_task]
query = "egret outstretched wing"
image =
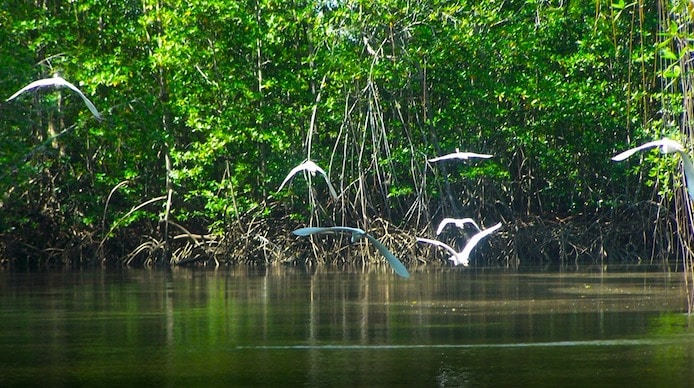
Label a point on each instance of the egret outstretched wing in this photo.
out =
(293, 172)
(667, 146)
(34, 85)
(459, 222)
(58, 81)
(454, 255)
(330, 186)
(464, 256)
(357, 234)
(460, 155)
(397, 265)
(312, 168)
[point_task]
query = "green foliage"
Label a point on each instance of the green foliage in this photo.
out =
(228, 89)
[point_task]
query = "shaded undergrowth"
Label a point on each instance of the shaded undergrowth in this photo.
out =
(640, 233)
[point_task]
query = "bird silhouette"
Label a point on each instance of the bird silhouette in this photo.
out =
(358, 234)
(58, 81)
(463, 257)
(312, 169)
(667, 146)
(460, 155)
(454, 255)
(459, 222)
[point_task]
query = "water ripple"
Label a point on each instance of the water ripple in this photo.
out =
(612, 342)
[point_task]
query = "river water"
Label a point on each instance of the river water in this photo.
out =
(287, 326)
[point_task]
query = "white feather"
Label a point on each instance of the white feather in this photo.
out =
(58, 81)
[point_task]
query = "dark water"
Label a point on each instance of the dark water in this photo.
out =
(288, 326)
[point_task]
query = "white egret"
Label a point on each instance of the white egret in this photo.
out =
(358, 234)
(470, 245)
(459, 222)
(460, 155)
(312, 168)
(454, 255)
(58, 81)
(667, 146)
(463, 257)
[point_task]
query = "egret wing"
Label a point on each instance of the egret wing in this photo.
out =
(468, 221)
(315, 229)
(397, 265)
(291, 174)
(330, 187)
(438, 244)
(58, 81)
(442, 225)
(392, 260)
(461, 155)
(465, 254)
(459, 222)
(688, 173)
(621, 156)
(454, 257)
(33, 85)
(444, 157)
(476, 155)
(327, 180)
(309, 231)
(89, 104)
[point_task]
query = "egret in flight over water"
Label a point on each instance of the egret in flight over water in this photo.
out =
(459, 222)
(461, 155)
(463, 257)
(667, 146)
(454, 255)
(58, 81)
(358, 234)
(312, 169)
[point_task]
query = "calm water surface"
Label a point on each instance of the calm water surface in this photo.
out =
(289, 326)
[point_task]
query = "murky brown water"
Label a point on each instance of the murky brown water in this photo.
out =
(286, 326)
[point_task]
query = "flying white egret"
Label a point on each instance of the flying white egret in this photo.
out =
(459, 222)
(358, 234)
(58, 81)
(461, 155)
(470, 245)
(463, 257)
(667, 146)
(312, 168)
(454, 255)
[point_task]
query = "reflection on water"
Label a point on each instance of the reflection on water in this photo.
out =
(287, 326)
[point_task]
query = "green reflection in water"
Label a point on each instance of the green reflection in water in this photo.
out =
(286, 326)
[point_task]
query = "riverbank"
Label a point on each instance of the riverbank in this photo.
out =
(631, 234)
